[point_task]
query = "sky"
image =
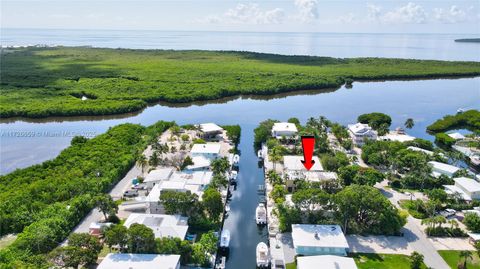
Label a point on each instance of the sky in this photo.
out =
(350, 16)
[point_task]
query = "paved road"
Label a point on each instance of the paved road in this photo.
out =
(116, 193)
(415, 235)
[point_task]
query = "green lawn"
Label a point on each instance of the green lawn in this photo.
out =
(291, 265)
(42, 82)
(452, 258)
(381, 261)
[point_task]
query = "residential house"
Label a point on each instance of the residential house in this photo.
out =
(439, 168)
(293, 169)
(360, 132)
(326, 262)
(311, 240)
(397, 135)
(467, 188)
(171, 226)
(139, 261)
(209, 151)
(284, 129)
(210, 130)
(158, 175)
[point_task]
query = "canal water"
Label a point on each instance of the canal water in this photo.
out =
(245, 234)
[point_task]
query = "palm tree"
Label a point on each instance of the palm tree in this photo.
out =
(142, 162)
(275, 156)
(465, 254)
(409, 123)
(453, 224)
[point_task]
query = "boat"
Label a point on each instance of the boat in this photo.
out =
(259, 154)
(221, 264)
(225, 239)
(261, 214)
(263, 256)
(236, 159)
(233, 175)
(460, 110)
(227, 208)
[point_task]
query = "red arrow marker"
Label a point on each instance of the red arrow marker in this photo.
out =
(308, 143)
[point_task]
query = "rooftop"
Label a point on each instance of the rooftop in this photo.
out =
(210, 127)
(318, 236)
(457, 136)
(359, 128)
(194, 178)
(469, 184)
(327, 262)
(199, 162)
(291, 162)
(212, 148)
(284, 126)
(453, 189)
(444, 167)
(395, 136)
(139, 261)
(159, 174)
(162, 225)
(428, 152)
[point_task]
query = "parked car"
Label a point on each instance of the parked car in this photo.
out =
(130, 193)
(140, 186)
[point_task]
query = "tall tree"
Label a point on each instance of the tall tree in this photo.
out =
(465, 255)
(106, 205)
(141, 239)
(409, 123)
(116, 235)
(416, 260)
(142, 162)
(212, 201)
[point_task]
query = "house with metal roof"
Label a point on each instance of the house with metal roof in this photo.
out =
(311, 240)
(139, 261)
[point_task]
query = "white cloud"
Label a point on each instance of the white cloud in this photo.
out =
(248, 14)
(410, 13)
(348, 18)
(307, 10)
(453, 15)
(373, 12)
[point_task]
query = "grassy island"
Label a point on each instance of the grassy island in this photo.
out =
(68, 81)
(469, 119)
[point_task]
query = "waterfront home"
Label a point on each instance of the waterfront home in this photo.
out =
(397, 135)
(208, 150)
(311, 240)
(195, 182)
(439, 168)
(139, 261)
(97, 228)
(457, 136)
(284, 129)
(200, 163)
(360, 132)
(171, 226)
(327, 262)
(293, 169)
(210, 130)
(467, 188)
(158, 175)
(428, 152)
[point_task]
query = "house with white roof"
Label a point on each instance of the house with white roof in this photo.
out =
(326, 262)
(397, 135)
(467, 188)
(158, 175)
(284, 129)
(210, 130)
(200, 163)
(359, 132)
(311, 240)
(171, 226)
(428, 152)
(294, 169)
(208, 150)
(139, 261)
(456, 136)
(439, 168)
(195, 182)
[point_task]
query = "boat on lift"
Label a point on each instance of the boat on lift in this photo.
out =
(261, 214)
(233, 175)
(236, 159)
(227, 208)
(260, 154)
(263, 255)
(225, 239)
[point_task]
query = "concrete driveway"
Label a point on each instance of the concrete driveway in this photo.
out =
(379, 244)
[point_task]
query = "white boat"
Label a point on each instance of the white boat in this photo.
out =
(261, 214)
(460, 110)
(236, 159)
(225, 239)
(259, 154)
(227, 208)
(233, 175)
(263, 256)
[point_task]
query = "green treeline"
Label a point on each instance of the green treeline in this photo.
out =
(44, 202)
(42, 82)
(469, 120)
